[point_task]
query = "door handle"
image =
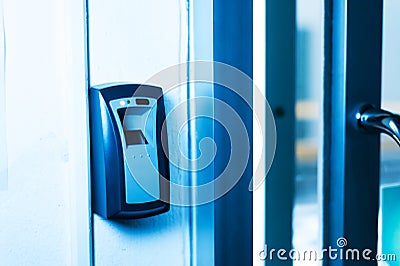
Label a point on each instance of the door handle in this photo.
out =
(372, 119)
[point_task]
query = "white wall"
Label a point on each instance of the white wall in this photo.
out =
(44, 208)
(3, 136)
(130, 41)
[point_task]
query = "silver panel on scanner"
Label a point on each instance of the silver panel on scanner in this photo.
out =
(136, 119)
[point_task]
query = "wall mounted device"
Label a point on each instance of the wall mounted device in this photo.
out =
(129, 163)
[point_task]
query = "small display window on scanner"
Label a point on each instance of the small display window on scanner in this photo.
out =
(135, 137)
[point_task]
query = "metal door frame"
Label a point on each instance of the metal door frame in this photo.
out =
(351, 159)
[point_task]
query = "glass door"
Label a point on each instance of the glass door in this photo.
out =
(356, 182)
(389, 222)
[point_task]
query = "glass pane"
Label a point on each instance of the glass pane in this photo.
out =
(390, 152)
(309, 67)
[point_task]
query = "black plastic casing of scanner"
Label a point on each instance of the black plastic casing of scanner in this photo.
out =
(107, 158)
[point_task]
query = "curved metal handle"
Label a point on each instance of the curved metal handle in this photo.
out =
(374, 119)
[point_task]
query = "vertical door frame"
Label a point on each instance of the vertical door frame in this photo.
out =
(233, 212)
(78, 131)
(81, 227)
(233, 43)
(200, 48)
(352, 73)
(280, 92)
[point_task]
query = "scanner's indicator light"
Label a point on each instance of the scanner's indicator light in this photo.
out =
(122, 103)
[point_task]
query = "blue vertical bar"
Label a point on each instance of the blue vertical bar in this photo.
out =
(233, 45)
(280, 93)
(353, 49)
